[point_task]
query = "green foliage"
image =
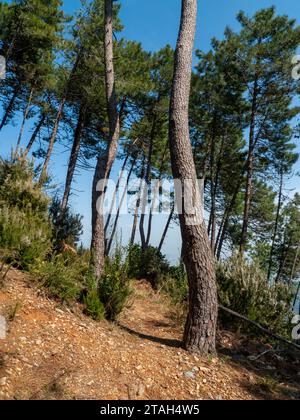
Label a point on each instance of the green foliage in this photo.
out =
(25, 231)
(93, 306)
(114, 287)
(149, 264)
(64, 276)
(243, 287)
(67, 227)
(175, 284)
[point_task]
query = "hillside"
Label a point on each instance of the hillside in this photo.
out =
(52, 352)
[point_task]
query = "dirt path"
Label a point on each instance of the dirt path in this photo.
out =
(52, 352)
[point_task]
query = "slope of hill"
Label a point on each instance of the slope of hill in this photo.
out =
(54, 352)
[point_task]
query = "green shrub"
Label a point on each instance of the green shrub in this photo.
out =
(114, 287)
(25, 231)
(66, 227)
(93, 306)
(64, 276)
(149, 264)
(243, 287)
(175, 284)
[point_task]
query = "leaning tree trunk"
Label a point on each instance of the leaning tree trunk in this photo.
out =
(35, 134)
(200, 329)
(10, 107)
(105, 162)
(74, 156)
(25, 116)
(137, 206)
(166, 229)
(58, 119)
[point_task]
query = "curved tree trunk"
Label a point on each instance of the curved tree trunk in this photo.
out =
(164, 235)
(105, 162)
(74, 156)
(200, 329)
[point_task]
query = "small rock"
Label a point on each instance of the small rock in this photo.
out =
(3, 381)
(190, 375)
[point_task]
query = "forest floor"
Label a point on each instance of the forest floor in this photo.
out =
(55, 352)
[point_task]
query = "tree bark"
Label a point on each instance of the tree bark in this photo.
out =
(166, 229)
(146, 185)
(74, 156)
(35, 134)
(25, 115)
(154, 197)
(10, 107)
(115, 194)
(250, 168)
(137, 207)
(200, 329)
(112, 236)
(105, 162)
(276, 225)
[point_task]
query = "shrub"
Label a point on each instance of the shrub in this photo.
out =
(64, 276)
(66, 227)
(149, 264)
(175, 284)
(114, 287)
(25, 231)
(93, 306)
(243, 287)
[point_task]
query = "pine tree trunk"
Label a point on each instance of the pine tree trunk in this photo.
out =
(200, 330)
(166, 229)
(57, 120)
(25, 115)
(10, 107)
(115, 194)
(276, 225)
(35, 134)
(250, 168)
(74, 156)
(112, 236)
(137, 207)
(155, 197)
(105, 162)
(146, 186)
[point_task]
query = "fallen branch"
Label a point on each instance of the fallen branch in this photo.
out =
(258, 326)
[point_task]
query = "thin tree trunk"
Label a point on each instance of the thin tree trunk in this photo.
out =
(166, 229)
(200, 329)
(115, 194)
(293, 272)
(250, 168)
(154, 197)
(105, 162)
(25, 115)
(276, 225)
(112, 236)
(146, 186)
(10, 107)
(214, 191)
(35, 134)
(137, 207)
(57, 120)
(74, 156)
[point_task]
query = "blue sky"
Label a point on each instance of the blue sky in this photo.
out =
(154, 23)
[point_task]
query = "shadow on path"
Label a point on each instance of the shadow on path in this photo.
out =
(164, 341)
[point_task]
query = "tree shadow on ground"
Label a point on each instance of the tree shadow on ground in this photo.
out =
(158, 340)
